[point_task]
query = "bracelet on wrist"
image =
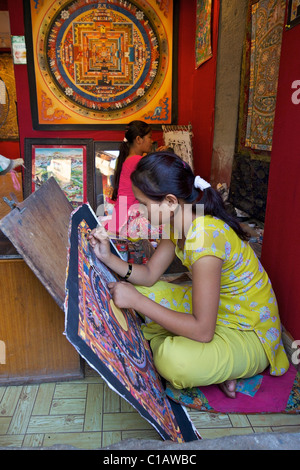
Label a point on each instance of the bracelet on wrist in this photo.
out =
(128, 272)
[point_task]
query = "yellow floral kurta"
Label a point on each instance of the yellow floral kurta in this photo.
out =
(247, 301)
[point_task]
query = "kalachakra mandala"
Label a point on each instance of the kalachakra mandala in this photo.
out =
(103, 61)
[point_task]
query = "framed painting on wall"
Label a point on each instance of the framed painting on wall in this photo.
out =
(293, 13)
(5, 41)
(106, 155)
(8, 99)
(203, 46)
(69, 161)
(105, 63)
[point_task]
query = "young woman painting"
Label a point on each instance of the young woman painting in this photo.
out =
(226, 325)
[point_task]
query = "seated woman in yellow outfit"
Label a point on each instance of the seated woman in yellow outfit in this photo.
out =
(226, 325)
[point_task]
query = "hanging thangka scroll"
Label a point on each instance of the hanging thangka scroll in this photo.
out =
(107, 62)
(259, 77)
(203, 46)
(8, 109)
(266, 35)
(179, 138)
(111, 340)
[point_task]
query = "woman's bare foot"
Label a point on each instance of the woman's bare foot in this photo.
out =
(228, 387)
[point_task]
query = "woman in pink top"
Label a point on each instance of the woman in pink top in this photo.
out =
(136, 143)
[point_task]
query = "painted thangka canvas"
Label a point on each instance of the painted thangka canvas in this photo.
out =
(100, 62)
(293, 14)
(111, 340)
(8, 109)
(266, 35)
(203, 45)
(179, 138)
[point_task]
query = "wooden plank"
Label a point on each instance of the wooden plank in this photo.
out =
(38, 228)
(94, 407)
(21, 417)
(32, 326)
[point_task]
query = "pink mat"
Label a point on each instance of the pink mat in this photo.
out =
(260, 394)
(271, 397)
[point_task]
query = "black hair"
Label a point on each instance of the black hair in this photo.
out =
(162, 173)
(133, 130)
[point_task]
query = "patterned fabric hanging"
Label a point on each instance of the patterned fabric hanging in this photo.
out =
(179, 138)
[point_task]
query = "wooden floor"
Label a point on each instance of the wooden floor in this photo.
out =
(86, 414)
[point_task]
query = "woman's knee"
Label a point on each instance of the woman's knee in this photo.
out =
(183, 362)
(169, 362)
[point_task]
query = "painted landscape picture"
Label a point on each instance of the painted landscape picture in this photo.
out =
(66, 165)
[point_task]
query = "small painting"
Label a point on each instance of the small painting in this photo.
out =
(70, 162)
(293, 14)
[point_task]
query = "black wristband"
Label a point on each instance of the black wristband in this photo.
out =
(128, 272)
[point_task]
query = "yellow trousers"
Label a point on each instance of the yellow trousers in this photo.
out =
(231, 354)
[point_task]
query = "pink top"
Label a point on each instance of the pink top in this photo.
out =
(125, 197)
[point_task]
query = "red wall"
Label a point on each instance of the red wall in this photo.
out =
(281, 251)
(10, 149)
(196, 89)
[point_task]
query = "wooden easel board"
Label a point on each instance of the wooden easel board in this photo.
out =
(38, 228)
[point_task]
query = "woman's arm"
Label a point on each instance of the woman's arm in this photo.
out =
(145, 275)
(200, 325)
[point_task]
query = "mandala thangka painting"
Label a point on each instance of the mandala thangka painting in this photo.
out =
(100, 62)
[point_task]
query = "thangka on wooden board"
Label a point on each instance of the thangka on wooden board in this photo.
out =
(111, 340)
